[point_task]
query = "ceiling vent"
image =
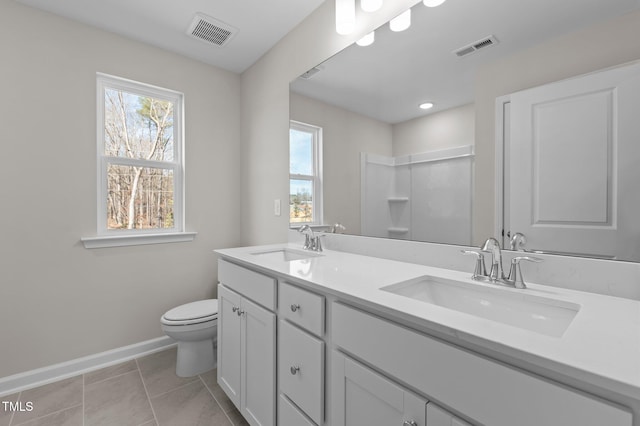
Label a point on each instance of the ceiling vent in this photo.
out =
(313, 71)
(211, 30)
(475, 46)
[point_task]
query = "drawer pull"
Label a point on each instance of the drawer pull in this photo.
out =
(409, 423)
(294, 308)
(294, 369)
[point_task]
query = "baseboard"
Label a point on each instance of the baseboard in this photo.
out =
(42, 376)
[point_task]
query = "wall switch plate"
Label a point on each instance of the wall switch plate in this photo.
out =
(276, 207)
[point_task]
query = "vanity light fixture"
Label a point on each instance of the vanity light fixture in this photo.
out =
(426, 105)
(367, 40)
(370, 5)
(345, 16)
(432, 3)
(401, 22)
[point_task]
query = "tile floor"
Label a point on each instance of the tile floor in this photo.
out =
(141, 392)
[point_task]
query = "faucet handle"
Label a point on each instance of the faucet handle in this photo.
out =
(480, 270)
(515, 273)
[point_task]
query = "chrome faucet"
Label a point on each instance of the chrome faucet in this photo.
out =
(311, 241)
(496, 273)
(308, 235)
(493, 246)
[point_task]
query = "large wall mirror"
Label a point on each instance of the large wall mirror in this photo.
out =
(392, 169)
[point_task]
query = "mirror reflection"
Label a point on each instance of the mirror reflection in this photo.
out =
(386, 167)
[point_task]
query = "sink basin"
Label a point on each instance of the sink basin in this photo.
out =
(286, 254)
(518, 309)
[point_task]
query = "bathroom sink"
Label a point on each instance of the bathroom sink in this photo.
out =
(286, 254)
(515, 308)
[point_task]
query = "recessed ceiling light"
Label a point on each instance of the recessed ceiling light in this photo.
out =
(426, 105)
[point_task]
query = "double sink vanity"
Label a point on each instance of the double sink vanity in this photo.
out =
(342, 339)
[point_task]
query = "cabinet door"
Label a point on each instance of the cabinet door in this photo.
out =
(229, 343)
(362, 397)
(258, 369)
(437, 416)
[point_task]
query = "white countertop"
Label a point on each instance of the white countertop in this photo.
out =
(601, 347)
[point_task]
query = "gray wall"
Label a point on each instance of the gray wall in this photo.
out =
(265, 112)
(441, 130)
(345, 135)
(58, 300)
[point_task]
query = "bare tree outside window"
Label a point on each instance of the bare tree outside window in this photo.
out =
(138, 160)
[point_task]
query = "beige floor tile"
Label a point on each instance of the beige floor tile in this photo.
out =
(159, 372)
(5, 415)
(211, 381)
(109, 372)
(236, 418)
(50, 398)
(190, 405)
(68, 417)
(118, 401)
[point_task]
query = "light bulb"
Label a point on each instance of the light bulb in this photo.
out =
(426, 105)
(367, 40)
(401, 22)
(345, 16)
(370, 5)
(432, 3)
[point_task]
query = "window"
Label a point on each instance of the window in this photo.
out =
(140, 169)
(305, 174)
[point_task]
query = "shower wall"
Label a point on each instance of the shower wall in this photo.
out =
(420, 197)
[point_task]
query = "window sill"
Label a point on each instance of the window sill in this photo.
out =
(136, 240)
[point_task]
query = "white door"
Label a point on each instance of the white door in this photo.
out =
(574, 155)
(229, 343)
(258, 361)
(365, 398)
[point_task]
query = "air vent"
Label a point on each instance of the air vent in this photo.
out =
(210, 30)
(307, 75)
(475, 46)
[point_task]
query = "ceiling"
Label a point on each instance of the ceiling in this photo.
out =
(164, 23)
(389, 79)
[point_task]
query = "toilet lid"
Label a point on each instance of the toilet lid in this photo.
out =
(194, 310)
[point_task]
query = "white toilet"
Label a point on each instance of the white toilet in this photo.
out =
(194, 326)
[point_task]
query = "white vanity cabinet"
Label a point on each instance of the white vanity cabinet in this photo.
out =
(285, 344)
(484, 390)
(362, 397)
(247, 343)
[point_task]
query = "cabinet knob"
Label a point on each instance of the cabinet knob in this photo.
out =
(294, 308)
(235, 309)
(409, 423)
(294, 369)
(240, 312)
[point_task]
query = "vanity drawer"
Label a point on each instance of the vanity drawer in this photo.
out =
(289, 415)
(487, 391)
(301, 369)
(257, 287)
(301, 307)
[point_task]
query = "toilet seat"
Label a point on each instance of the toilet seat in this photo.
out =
(192, 313)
